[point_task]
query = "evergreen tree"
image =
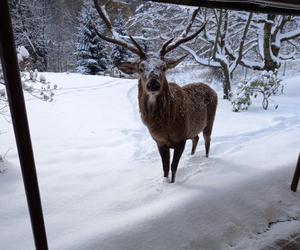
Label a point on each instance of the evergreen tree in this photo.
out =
(119, 54)
(91, 56)
(30, 20)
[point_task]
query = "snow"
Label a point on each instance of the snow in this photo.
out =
(153, 66)
(101, 181)
(261, 41)
(286, 36)
(22, 54)
(201, 61)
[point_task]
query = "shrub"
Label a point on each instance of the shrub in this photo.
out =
(267, 84)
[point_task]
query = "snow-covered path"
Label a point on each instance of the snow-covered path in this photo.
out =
(100, 175)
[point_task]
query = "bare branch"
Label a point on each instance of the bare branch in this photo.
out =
(294, 46)
(242, 42)
(218, 33)
(290, 35)
(201, 61)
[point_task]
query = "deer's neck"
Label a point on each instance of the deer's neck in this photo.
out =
(155, 108)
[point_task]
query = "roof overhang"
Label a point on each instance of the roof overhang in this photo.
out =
(284, 7)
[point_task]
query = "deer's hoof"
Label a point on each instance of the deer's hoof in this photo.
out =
(173, 178)
(166, 180)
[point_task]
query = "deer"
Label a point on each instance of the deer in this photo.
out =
(172, 114)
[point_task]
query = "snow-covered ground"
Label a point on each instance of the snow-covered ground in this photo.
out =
(100, 174)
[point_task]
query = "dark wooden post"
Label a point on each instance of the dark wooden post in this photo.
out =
(296, 176)
(279, 7)
(21, 128)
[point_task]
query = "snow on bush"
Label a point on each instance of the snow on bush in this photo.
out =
(267, 84)
(33, 83)
(37, 86)
(22, 54)
(3, 101)
(3, 98)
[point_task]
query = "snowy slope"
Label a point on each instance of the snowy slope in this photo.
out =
(100, 174)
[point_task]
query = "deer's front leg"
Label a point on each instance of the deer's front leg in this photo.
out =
(177, 154)
(165, 158)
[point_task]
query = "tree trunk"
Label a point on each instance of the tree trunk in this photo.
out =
(270, 51)
(226, 82)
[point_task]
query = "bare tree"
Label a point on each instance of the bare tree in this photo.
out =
(218, 47)
(255, 41)
(274, 35)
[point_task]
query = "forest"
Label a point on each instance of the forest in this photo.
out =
(60, 37)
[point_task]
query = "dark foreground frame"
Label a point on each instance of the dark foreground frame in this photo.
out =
(296, 177)
(21, 128)
(280, 7)
(18, 110)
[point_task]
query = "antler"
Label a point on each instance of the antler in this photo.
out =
(183, 38)
(116, 37)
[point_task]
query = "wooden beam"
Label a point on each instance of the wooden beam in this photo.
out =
(296, 177)
(20, 123)
(280, 7)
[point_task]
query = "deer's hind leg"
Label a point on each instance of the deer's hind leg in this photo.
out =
(195, 143)
(211, 111)
(207, 134)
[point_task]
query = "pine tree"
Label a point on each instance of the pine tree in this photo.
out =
(91, 51)
(119, 54)
(30, 23)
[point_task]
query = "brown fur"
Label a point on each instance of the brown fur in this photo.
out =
(179, 113)
(173, 114)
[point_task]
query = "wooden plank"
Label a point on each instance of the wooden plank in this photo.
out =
(281, 7)
(20, 123)
(271, 3)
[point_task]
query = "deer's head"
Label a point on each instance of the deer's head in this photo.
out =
(151, 68)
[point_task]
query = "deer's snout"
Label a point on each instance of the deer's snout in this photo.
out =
(153, 85)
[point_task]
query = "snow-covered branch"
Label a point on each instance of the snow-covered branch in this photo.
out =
(202, 61)
(289, 35)
(33, 83)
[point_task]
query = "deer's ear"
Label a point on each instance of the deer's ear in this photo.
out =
(128, 67)
(173, 63)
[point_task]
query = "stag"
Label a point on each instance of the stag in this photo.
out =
(172, 114)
